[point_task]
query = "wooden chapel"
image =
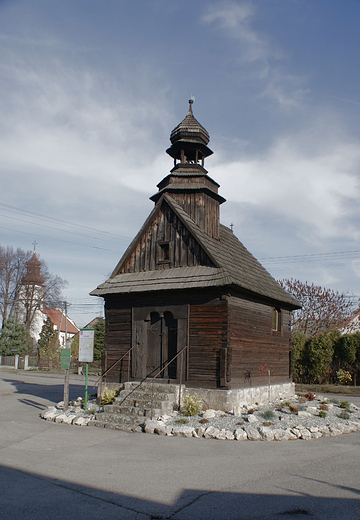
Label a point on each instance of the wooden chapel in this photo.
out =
(187, 281)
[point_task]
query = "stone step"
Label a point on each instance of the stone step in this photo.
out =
(141, 396)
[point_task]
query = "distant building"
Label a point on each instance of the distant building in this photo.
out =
(58, 319)
(31, 310)
(352, 326)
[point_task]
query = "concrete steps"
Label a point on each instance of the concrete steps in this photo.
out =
(137, 402)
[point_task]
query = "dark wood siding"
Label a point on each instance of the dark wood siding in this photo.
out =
(166, 230)
(207, 345)
(255, 347)
(117, 342)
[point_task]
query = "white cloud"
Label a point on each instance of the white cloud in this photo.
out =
(70, 120)
(314, 184)
(255, 52)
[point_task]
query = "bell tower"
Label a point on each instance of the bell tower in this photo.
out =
(188, 182)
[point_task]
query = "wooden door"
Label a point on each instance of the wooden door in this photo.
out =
(154, 347)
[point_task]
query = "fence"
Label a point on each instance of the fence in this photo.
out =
(31, 361)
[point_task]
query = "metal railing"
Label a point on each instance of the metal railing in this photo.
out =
(110, 367)
(162, 370)
(151, 381)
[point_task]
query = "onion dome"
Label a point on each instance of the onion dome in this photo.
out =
(189, 141)
(33, 275)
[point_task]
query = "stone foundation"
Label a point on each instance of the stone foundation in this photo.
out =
(225, 400)
(233, 400)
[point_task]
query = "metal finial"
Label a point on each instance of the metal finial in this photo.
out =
(34, 244)
(191, 101)
(232, 227)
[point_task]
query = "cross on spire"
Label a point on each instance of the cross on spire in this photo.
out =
(34, 244)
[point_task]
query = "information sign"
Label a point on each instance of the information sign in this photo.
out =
(65, 358)
(86, 345)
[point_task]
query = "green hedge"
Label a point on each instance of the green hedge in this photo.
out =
(326, 358)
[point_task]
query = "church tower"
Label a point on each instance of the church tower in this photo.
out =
(31, 298)
(188, 182)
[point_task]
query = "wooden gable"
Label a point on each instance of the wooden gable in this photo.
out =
(164, 242)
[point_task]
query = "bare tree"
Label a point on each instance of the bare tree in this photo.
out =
(12, 270)
(14, 292)
(322, 309)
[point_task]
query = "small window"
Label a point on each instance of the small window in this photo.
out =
(276, 320)
(163, 252)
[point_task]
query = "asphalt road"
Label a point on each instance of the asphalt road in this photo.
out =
(55, 471)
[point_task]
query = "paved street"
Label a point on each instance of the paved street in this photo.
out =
(57, 471)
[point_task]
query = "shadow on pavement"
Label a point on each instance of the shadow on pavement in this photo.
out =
(54, 393)
(33, 497)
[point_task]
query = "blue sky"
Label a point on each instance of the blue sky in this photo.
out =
(90, 91)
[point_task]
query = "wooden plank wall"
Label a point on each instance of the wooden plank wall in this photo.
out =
(207, 338)
(204, 210)
(184, 250)
(117, 342)
(254, 345)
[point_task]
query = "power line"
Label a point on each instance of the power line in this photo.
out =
(39, 216)
(59, 240)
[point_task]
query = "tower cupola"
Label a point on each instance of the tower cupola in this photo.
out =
(33, 274)
(189, 141)
(188, 182)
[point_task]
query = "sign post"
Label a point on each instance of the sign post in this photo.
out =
(86, 353)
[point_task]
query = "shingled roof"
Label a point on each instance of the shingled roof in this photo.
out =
(235, 267)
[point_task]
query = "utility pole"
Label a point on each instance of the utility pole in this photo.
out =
(67, 375)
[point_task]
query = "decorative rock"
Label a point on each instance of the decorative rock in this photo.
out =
(316, 435)
(225, 435)
(334, 430)
(267, 434)
(209, 414)
(296, 432)
(68, 419)
(252, 433)
(150, 425)
(252, 419)
(81, 421)
(183, 431)
(305, 435)
(211, 432)
(60, 404)
(49, 413)
(325, 431)
(281, 435)
(60, 418)
(199, 432)
(240, 434)
(313, 429)
(312, 409)
(304, 414)
(163, 430)
(166, 417)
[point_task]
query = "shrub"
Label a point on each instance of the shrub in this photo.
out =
(323, 407)
(343, 377)
(267, 423)
(182, 420)
(345, 405)
(192, 404)
(108, 395)
(268, 414)
(322, 414)
(310, 396)
(203, 421)
(250, 411)
(334, 400)
(294, 409)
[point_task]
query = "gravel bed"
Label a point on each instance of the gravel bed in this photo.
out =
(307, 417)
